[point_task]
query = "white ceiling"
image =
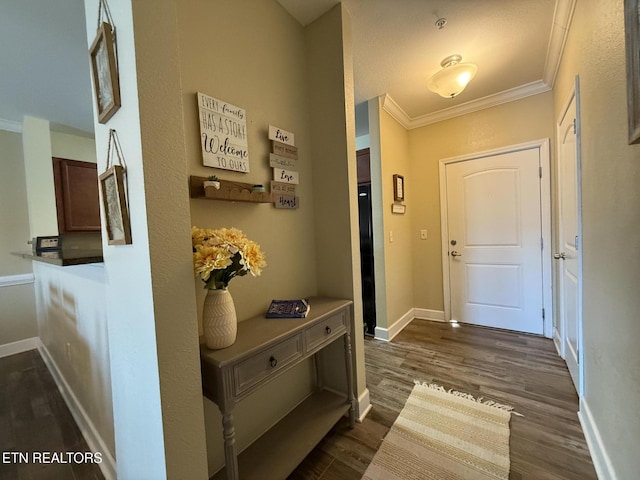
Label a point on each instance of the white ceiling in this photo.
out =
(396, 47)
(45, 63)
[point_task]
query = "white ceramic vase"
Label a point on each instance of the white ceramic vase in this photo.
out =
(219, 320)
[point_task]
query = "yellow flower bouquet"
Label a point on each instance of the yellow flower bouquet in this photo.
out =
(222, 254)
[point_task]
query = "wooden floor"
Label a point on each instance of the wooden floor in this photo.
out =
(521, 370)
(516, 369)
(34, 418)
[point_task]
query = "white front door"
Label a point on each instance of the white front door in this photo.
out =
(494, 237)
(568, 327)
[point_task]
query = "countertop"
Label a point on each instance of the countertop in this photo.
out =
(64, 258)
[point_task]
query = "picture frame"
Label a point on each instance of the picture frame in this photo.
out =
(398, 188)
(114, 205)
(104, 70)
(632, 44)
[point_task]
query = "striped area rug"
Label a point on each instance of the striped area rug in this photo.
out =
(444, 435)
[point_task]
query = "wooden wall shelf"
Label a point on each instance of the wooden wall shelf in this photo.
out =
(229, 191)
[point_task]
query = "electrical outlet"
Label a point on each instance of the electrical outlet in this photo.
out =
(423, 234)
(390, 236)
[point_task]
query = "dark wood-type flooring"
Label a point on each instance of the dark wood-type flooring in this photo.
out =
(34, 418)
(516, 369)
(521, 370)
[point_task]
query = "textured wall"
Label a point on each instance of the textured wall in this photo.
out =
(264, 71)
(399, 257)
(611, 229)
(516, 122)
(152, 321)
(17, 302)
(261, 68)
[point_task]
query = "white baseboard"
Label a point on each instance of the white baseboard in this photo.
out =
(91, 435)
(387, 334)
(599, 456)
(435, 315)
(557, 343)
(19, 346)
(364, 406)
(13, 280)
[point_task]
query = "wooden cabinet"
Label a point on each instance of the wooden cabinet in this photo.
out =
(363, 158)
(264, 349)
(77, 199)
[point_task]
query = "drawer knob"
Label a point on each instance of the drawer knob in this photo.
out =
(273, 361)
(328, 330)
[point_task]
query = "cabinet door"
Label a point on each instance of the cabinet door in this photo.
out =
(76, 185)
(363, 166)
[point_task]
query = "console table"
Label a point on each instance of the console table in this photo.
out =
(264, 349)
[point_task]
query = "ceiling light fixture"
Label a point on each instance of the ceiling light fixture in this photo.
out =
(453, 78)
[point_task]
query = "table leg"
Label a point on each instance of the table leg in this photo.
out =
(230, 450)
(350, 396)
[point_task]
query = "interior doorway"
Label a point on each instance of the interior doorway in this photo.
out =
(495, 216)
(366, 241)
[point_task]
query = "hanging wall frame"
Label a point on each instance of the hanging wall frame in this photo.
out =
(114, 198)
(104, 66)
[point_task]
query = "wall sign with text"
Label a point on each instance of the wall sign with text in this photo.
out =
(284, 161)
(223, 134)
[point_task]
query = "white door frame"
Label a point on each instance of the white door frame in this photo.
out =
(575, 93)
(545, 207)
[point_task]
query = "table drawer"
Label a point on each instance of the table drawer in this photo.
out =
(260, 366)
(325, 331)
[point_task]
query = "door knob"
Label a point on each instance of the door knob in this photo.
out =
(559, 256)
(455, 254)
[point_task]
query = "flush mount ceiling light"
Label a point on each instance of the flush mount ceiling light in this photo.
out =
(453, 78)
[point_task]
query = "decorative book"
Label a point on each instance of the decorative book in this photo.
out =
(288, 309)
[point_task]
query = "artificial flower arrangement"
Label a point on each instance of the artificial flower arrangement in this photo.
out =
(222, 254)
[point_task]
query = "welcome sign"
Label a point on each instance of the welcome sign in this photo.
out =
(223, 134)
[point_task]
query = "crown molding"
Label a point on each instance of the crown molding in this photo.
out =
(392, 108)
(523, 91)
(10, 126)
(562, 16)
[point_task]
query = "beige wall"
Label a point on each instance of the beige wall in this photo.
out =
(595, 51)
(275, 44)
(14, 215)
(18, 320)
(516, 122)
(257, 59)
(151, 311)
(73, 147)
(398, 258)
(330, 76)
(41, 197)
(261, 69)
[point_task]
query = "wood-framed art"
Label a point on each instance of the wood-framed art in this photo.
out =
(114, 204)
(105, 73)
(398, 188)
(632, 40)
